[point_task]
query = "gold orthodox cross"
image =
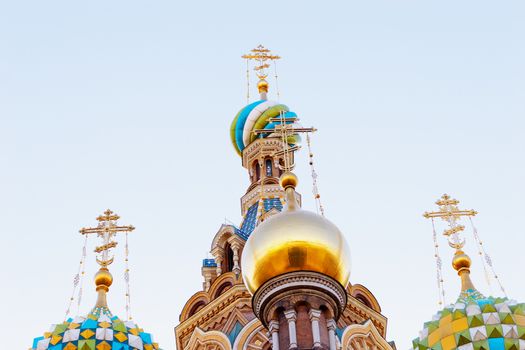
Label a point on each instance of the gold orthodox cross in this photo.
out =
(106, 229)
(261, 54)
(449, 212)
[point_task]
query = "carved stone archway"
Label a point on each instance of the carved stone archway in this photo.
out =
(211, 340)
(252, 336)
(363, 337)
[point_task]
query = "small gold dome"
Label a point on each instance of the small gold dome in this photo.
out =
(103, 279)
(262, 85)
(294, 240)
(288, 179)
(461, 261)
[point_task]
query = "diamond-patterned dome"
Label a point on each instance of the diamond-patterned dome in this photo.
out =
(100, 330)
(475, 322)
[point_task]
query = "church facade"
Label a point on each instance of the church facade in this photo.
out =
(221, 315)
(281, 279)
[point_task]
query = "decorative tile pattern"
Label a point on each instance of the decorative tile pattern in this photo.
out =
(475, 322)
(249, 222)
(100, 330)
(270, 203)
(209, 263)
(232, 335)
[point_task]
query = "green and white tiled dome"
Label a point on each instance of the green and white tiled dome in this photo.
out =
(475, 322)
(100, 330)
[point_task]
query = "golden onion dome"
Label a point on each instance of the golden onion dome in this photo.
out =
(294, 240)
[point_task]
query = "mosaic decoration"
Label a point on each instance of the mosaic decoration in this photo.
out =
(270, 203)
(209, 263)
(250, 220)
(232, 335)
(475, 322)
(100, 330)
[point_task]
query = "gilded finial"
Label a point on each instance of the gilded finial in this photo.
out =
(288, 182)
(288, 179)
(461, 263)
(106, 229)
(450, 212)
(261, 56)
(103, 280)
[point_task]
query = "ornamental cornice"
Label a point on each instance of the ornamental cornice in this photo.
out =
(267, 190)
(298, 281)
(260, 148)
(256, 192)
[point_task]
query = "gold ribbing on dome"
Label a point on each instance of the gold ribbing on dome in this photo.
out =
(106, 229)
(450, 212)
(262, 56)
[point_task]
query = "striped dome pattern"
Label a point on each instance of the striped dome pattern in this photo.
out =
(100, 330)
(475, 322)
(256, 116)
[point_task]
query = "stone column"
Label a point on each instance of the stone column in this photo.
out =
(207, 283)
(208, 272)
(274, 331)
(291, 317)
(218, 260)
(316, 335)
(331, 333)
(236, 267)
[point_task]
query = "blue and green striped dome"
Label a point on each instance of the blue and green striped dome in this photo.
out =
(255, 116)
(100, 330)
(475, 322)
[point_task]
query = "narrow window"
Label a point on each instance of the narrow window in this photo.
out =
(228, 258)
(269, 171)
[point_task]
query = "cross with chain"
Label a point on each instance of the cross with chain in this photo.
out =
(106, 229)
(261, 55)
(449, 212)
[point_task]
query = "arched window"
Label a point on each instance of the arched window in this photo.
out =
(228, 258)
(196, 308)
(364, 300)
(223, 289)
(268, 167)
(256, 171)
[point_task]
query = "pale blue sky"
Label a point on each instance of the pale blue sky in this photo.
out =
(127, 105)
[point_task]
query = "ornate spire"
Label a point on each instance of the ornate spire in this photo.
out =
(106, 229)
(450, 212)
(261, 56)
